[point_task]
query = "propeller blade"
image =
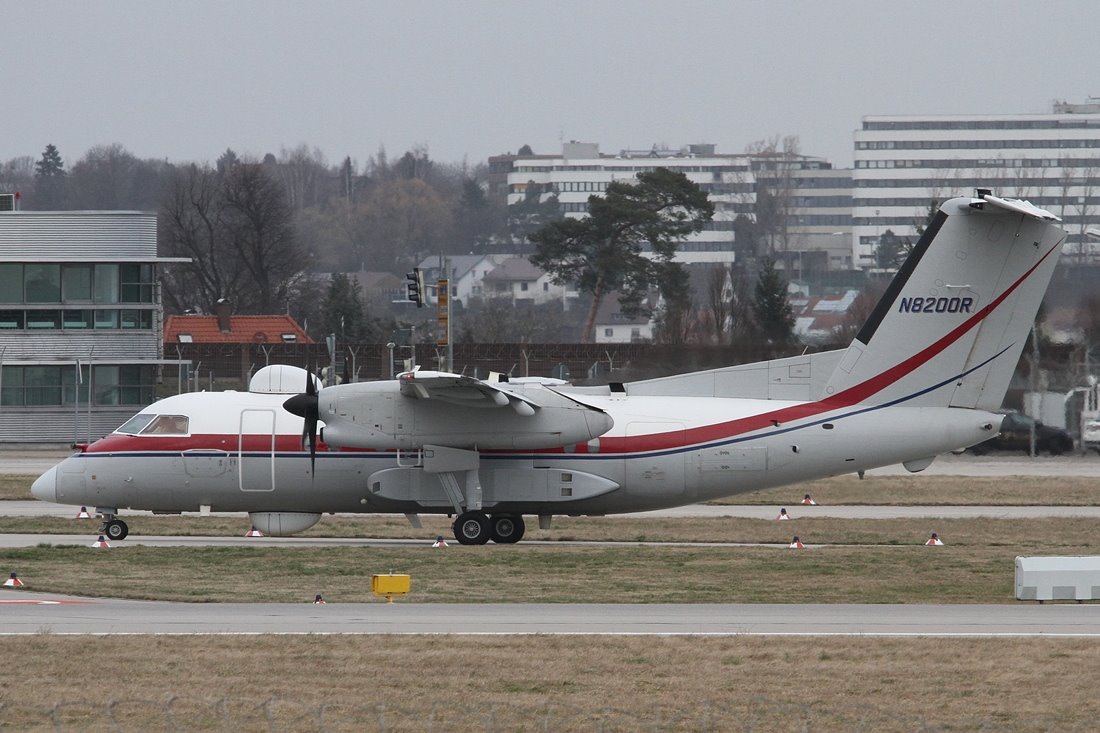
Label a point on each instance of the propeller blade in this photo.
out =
(305, 407)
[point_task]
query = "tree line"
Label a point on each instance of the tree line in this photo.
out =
(257, 229)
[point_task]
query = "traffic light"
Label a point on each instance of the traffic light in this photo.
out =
(415, 286)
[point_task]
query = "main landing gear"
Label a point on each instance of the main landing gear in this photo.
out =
(477, 528)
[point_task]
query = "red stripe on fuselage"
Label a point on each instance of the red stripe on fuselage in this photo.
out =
(632, 444)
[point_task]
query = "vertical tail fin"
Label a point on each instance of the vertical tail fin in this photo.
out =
(951, 325)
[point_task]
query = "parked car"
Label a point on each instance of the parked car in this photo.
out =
(1015, 435)
(1090, 437)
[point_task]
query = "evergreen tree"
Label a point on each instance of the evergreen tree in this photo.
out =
(891, 251)
(50, 176)
(343, 313)
(771, 308)
(603, 253)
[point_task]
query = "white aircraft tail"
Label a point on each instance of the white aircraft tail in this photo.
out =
(950, 327)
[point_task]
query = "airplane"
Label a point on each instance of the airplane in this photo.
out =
(922, 377)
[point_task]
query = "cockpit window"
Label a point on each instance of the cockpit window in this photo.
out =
(134, 425)
(167, 425)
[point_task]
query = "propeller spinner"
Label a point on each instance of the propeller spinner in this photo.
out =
(305, 406)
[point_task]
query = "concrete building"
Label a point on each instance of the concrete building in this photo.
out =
(819, 198)
(905, 162)
(80, 322)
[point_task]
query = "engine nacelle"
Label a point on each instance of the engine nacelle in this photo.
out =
(283, 524)
(377, 416)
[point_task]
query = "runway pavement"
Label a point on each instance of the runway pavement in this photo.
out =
(797, 511)
(34, 613)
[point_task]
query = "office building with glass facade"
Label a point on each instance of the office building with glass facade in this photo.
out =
(80, 323)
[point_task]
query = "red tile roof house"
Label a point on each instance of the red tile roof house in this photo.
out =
(247, 332)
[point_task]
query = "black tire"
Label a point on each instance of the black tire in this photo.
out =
(507, 529)
(116, 529)
(472, 528)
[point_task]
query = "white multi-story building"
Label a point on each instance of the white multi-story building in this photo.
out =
(819, 197)
(905, 162)
(581, 171)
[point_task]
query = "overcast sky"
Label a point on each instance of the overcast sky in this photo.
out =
(184, 80)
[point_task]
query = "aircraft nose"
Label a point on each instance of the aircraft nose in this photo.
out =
(45, 486)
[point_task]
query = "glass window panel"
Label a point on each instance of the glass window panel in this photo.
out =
(134, 425)
(131, 319)
(11, 386)
(167, 425)
(136, 283)
(43, 319)
(68, 376)
(106, 283)
(42, 385)
(106, 319)
(42, 283)
(76, 283)
(11, 319)
(106, 385)
(78, 319)
(11, 283)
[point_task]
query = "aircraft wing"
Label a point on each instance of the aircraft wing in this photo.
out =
(458, 389)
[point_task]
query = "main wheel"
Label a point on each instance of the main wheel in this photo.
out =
(507, 529)
(116, 529)
(472, 528)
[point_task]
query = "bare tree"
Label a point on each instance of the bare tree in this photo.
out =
(236, 228)
(774, 162)
(17, 175)
(719, 301)
(303, 173)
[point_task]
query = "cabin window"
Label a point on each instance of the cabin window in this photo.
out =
(135, 424)
(167, 425)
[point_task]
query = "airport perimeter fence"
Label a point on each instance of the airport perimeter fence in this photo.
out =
(229, 366)
(276, 715)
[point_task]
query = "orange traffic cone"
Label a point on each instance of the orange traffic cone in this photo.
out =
(253, 533)
(808, 501)
(101, 543)
(318, 600)
(83, 513)
(439, 541)
(783, 514)
(13, 582)
(934, 540)
(796, 544)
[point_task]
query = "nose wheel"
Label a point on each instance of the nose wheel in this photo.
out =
(115, 529)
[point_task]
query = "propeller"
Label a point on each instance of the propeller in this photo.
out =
(305, 406)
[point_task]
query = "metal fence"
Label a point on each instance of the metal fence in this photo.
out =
(280, 715)
(229, 366)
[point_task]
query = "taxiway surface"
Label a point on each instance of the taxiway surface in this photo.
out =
(34, 613)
